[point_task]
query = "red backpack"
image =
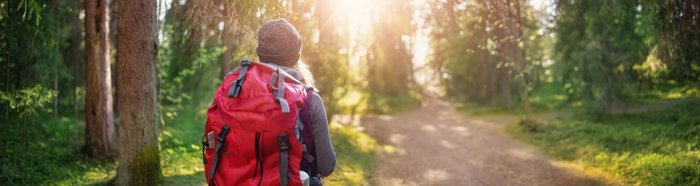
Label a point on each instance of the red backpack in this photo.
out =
(251, 135)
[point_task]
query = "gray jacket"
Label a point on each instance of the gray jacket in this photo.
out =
(325, 155)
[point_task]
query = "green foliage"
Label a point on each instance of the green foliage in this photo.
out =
(649, 148)
(31, 7)
(180, 140)
(28, 101)
(604, 47)
(38, 53)
(598, 43)
(673, 29)
(194, 80)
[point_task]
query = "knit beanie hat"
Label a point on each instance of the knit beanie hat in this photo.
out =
(279, 43)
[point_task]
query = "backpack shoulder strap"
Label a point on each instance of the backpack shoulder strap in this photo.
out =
(236, 85)
(278, 78)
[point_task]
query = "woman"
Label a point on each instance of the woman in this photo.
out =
(279, 44)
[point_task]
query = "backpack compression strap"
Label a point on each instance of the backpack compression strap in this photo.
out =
(284, 158)
(236, 85)
(220, 140)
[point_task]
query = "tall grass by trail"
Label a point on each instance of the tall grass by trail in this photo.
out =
(648, 148)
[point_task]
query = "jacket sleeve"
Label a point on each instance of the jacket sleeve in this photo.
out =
(325, 155)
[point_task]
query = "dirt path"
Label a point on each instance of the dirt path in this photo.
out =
(436, 146)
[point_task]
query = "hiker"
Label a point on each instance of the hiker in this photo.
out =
(279, 43)
(257, 129)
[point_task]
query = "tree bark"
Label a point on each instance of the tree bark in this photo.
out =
(139, 160)
(230, 43)
(99, 126)
(114, 37)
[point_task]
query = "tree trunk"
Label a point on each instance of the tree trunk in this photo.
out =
(139, 160)
(99, 126)
(230, 43)
(114, 37)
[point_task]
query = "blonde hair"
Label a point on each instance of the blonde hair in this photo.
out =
(303, 69)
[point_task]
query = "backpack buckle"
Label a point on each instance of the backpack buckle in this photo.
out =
(245, 62)
(223, 133)
(284, 142)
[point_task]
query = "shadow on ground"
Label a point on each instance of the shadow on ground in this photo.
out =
(433, 145)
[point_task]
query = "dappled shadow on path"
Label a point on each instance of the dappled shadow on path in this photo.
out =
(433, 145)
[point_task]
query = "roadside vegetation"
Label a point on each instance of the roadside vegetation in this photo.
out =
(656, 142)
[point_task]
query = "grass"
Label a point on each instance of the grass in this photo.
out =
(355, 152)
(547, 98)
(355, 101)
(48, 152)
(650, 148)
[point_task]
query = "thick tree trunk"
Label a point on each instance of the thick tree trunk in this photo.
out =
(99, 126)
(139, 160)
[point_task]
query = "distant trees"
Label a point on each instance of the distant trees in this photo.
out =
(604, 47)
(389, 59)
(139, 159)
(492, 52)
(99, 126)
(324, 58)
(676, 33)
(32, 57)
(479, 48)
(597, 44)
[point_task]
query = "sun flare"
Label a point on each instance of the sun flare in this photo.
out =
(356, 12)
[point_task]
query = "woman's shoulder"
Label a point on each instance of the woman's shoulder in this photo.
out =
(314, 97)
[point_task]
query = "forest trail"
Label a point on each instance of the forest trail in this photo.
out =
(434, 145)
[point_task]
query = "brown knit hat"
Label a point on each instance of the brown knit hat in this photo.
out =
(279, 43)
